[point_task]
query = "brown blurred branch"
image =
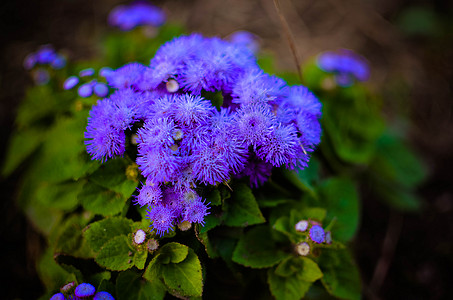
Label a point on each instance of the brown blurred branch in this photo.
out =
(289, 37)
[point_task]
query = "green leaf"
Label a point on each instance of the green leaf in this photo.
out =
(130, 285)
(287, 288)
(341, 277)
(173, 253)
(116, 254)
(303, 179)
(241, 209)
(214, 198)
(63, 155)
(255, 249)
(61, 195)
(100, 200)
(310, 271)
(395, 162)
(211, 221)
(112, 175)
(153, 270)
(204, 239)
(51, 274)
(20, 146)
(140, 259)
(286, 267)
(100, 232)
(339, 197)
(184, 278)
(70, 240)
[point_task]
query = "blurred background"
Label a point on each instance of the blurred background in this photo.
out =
(409, 45)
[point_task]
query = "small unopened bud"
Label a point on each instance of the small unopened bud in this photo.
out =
(152, 245)
(303, 249)
(184, 226)
(132, 172)
(172, 86)
(139, 237)
(328, 238)
(301, 226)
(134, 139)
(68, 288)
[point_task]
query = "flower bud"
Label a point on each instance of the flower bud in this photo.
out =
(301, 226)
(139, 237)
(152, 245)
(184, 226)
(303, 249)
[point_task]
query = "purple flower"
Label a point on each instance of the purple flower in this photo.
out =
(84, 290)
(41, 76)
(346, 65)
(136, 14)
(107, 121)
(158, 166)
(162, 218)
(209, 168)
(254, 123)
(149, 195)
(257, 170)
(103, 296)
(126, 76)
(246, 39)
(191, 110)
(70, 82)
(86, 72)
(195, 211)
(157, 133)
(85, 90)
(58, 296)
(280, 147)
(101, 89)
(59, 62)
(317, 234)
(256, 86)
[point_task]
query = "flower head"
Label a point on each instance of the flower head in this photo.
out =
(84, 290)
(317, 234)
(127, 17)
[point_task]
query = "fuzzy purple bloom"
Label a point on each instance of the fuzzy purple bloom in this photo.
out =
(245, 38)
(101, 89)
(85, 90)
(126, 76)
(84, 290)
(195, 211)
(346, 65)
(317, 234)
(70, 82)
(162, 218)
(254, 123)
(136, 14)
(58, 296)
(103, 296)
(149, 195)
(86, 72)
(255, 86)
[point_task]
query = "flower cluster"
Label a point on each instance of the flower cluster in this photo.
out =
(346, 65)
(82, 291)
(141, 13)
(316, 235)
(205, 113)
(45, 56)
(87, 89)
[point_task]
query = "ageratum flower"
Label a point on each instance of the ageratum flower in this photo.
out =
(184, 142)
(346, 65)
(317, 234)
(127, 17)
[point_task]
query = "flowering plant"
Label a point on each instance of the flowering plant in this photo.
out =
(157, 177)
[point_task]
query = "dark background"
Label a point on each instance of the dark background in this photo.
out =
(401, 256)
